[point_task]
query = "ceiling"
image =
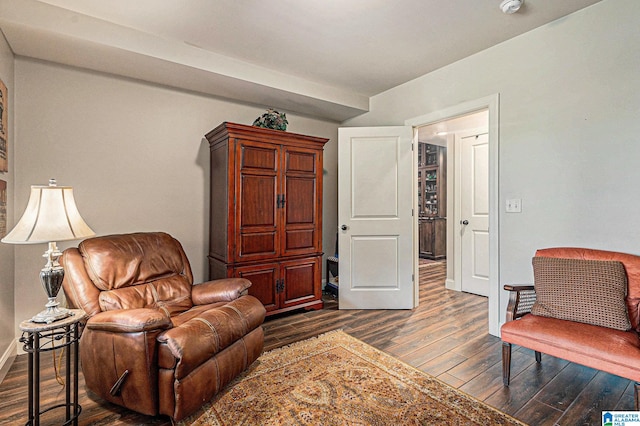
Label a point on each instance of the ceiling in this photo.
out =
(318, 58)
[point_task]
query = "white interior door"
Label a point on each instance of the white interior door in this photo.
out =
(474, 214)
(375, 216)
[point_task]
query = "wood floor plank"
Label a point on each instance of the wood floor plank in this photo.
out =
(426, 353)
(442, 364)
(489, 381)
(601, 394)
(470, 347)
(627, 399)
(450, 380)
(563, 389)
(478, 363)
(539, 414)
(528, 382)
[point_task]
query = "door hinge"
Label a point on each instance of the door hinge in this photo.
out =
(413, 278)
(411, 212)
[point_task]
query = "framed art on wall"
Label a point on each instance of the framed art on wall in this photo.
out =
(4, 131)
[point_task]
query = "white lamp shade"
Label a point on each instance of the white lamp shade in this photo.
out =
(51, 215)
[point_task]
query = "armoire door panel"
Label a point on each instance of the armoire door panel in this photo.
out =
(261, 244)
(263, 157)
(300, 239)
(263, 283)
(256, 201)
(300, 161)
(299, 281)
(301, 194)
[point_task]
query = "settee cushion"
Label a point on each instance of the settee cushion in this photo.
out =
(614, 351)
(586, 291)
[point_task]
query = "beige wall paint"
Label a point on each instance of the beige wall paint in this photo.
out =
(569, 108)
(7, 310)
(135, 154)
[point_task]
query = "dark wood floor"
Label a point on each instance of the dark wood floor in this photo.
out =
(446, 336)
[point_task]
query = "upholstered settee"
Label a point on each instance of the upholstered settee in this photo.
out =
(584, 308)
(154, 342)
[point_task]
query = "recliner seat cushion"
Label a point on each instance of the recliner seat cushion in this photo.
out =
(171, 295)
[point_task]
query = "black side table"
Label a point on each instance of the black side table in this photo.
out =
(38, 338)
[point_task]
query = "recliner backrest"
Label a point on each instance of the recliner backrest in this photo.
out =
(141, 270)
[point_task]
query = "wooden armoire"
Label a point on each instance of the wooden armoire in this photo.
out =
(266, 213)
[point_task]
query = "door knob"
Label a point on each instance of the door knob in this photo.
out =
(343, 227)
(464, 222)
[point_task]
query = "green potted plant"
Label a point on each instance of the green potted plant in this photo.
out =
(272, 119)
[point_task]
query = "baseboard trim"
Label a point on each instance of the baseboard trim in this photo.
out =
(7, 359)
(451, 285)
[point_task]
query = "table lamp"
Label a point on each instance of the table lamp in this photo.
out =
(51, 215)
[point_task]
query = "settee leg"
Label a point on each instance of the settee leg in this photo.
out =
(636, 397)
(538, 357)
(506, 363)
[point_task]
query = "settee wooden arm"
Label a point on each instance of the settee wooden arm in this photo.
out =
(521, 299)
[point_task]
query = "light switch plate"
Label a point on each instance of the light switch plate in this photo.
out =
(514, 205)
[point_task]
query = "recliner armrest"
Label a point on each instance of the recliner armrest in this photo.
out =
(129, 321)
(188, 345)
(124, 340)
(222, 290)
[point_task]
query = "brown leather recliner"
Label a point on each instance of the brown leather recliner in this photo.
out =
(154, 342)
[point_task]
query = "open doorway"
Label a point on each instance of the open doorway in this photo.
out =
(400, 151)
(428, 123)
(453, 205)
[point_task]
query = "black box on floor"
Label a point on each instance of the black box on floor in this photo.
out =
(331, 288)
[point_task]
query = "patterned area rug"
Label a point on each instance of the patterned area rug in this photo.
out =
(335, 379)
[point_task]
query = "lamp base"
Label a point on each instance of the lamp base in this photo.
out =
(51, 277)
(51, 314)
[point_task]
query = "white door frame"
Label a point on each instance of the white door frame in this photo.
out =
(492, 103)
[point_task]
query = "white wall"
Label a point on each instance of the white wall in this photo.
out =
(7, 311)
(569, 129)
(135, 154)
